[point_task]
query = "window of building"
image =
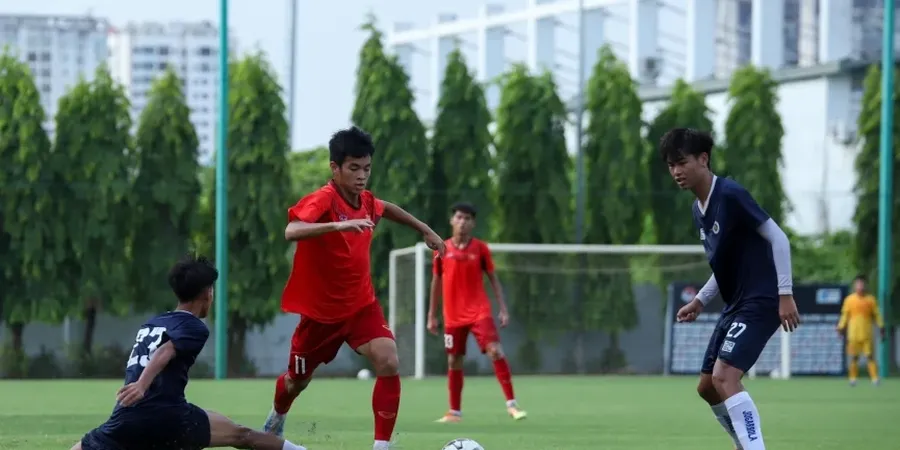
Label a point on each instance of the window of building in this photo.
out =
(32, 56)
(205, 51)
(164, 51)
(45, 56)
(744, 32)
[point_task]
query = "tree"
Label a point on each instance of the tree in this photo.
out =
(532, 181)
(166, 191)
(868, 166)
(615, 153)
(686, 108)
(29, 236)
(384, 109)
(309, 170)
(259, 193)
(460, 145)
(92, 135)
(753, 133)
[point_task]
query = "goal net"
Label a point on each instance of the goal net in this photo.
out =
(601, 309)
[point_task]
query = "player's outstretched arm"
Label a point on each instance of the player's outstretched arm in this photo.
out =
(132, 392)
(397, 214)
(709, 291)
(436, 283)
(781, 257)
(298, 230)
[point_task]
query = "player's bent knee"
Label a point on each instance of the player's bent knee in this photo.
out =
(382, 353)
(455, 362)
(77, 446)
(727, 379)
(707, 390)
(295, 386)
(495, 351)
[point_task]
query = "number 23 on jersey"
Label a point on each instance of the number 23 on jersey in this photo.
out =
(145, 343)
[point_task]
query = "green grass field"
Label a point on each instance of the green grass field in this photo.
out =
(565, 413)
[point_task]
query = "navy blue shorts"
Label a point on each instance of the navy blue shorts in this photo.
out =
(741, 335)
(184, 428)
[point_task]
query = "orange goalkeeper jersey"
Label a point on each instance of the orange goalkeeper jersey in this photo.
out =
(858, 314)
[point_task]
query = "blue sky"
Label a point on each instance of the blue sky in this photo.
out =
(328, 39)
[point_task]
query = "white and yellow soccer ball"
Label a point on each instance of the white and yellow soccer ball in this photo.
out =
(462, 444)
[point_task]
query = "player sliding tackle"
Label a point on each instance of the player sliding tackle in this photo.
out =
(151, 411)
(458, 276)
(751, 263)
(330, 286)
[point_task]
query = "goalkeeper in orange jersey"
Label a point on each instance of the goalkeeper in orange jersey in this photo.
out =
(857, 316)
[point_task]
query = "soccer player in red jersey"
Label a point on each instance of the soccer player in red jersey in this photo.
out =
(458, 275)
(330, 286)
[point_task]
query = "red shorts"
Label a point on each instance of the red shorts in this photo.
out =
(484, 330)
(317, 343)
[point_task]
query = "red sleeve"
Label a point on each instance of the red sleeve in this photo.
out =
(487, 262)
(309, 209)
(377, 206)
(437, 267)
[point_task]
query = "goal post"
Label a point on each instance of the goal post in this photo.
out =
(648, 268)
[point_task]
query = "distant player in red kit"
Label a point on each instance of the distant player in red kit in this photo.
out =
(330, 286)
(458, 275)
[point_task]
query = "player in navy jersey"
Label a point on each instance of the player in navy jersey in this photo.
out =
(750, 259)
(151, 412)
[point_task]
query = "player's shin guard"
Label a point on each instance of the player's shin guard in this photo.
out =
(721, 413)
(283, 398)
(385, 405)
(455, 388)
(745, 420)
(504, 376)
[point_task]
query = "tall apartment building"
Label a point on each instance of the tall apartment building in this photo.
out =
(59, 50)
(139, 53)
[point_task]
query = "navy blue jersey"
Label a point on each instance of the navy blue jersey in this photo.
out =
(129, 426)
(740, 258)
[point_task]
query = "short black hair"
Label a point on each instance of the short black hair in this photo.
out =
(680, 142)
(192, 275)
(860, 277)
(464, 207)
(352, 142)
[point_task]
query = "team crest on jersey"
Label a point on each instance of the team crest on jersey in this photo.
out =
(715, 227)
(342, 217)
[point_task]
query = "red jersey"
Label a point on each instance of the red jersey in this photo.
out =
(330, 278)
(462, 272)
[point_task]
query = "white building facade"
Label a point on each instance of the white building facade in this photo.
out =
(140, 53)
(59, 50)
(817, 49)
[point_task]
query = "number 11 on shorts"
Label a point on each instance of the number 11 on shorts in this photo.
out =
(299, 365)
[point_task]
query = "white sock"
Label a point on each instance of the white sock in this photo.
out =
(721, 413)
(290, 446)
(745, 420)
(381, 445)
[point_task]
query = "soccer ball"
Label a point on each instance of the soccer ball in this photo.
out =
(364, 374)
(463, 444)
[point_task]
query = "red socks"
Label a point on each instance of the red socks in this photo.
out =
(385, 405)
(455, 386)
(504, 376)
(283, 398)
